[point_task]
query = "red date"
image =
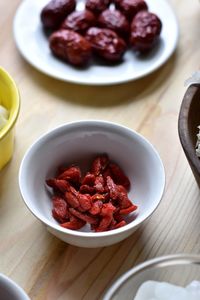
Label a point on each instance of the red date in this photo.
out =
(145, 31)
(106, 43)
(97, 6)
(99, 30)
(54, 13)
(70, 46)
(79, 21)
(114, 20)
(131, 7)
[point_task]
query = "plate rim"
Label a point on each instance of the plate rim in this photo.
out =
(81, 80)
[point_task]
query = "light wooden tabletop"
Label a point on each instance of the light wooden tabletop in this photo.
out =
(46, 267)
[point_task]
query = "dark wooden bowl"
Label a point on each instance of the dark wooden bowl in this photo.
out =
(189, 119)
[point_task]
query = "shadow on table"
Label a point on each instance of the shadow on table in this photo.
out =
(103, 96)
(85, 273)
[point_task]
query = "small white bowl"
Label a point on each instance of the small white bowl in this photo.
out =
(9, 290)
(79, 142)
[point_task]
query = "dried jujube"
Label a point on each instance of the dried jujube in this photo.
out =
(114, 20)
(79, 21)
(97, 6)
(54, 13)
(145, 31)
(105, 28)
(131, 7)
(70, 46)
(106, 43)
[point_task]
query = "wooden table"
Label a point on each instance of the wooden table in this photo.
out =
(46, 267)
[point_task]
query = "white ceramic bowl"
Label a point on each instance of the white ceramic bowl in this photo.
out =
(79, 142)
(177, 269)
(9, 290)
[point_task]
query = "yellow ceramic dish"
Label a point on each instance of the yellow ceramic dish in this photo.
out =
(9, 98)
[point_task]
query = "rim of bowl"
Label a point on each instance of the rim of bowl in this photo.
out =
(183, 127)
(14, 285)
(161, 261)
(80, 233)
(11, 121)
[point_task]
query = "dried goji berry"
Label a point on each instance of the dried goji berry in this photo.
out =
(96, 166)
(126, 211)
(99, 184)
(74, 224)
(112, 187)
(51, 182)
(107, 209)
(85, 201)
(89, 179)
(107, 216)
(120, 224)
(71, 174)
(59, 211)
(124, 201)
(86, 189)
(96, 208)
(104, 224)
(60, 184)
(73, 191)
(99, 164)
(118, 175)
(84, 217)
(71, 199)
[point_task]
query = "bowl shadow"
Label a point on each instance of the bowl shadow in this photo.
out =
(102, 96)
(105, 264)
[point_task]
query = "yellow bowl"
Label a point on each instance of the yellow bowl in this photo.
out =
(10, 99)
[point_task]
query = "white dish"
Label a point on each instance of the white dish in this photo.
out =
(9, 290)
(33, 45)
(177, 269)
(78, 143)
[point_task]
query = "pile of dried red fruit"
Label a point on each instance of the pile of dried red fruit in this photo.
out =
(99, 198)
(105, 28)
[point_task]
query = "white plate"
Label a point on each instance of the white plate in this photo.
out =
(33, 45)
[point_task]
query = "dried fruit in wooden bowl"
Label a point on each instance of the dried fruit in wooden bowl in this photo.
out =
(198, 143)
(188, 123)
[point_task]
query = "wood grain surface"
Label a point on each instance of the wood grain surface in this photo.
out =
(49, 269)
